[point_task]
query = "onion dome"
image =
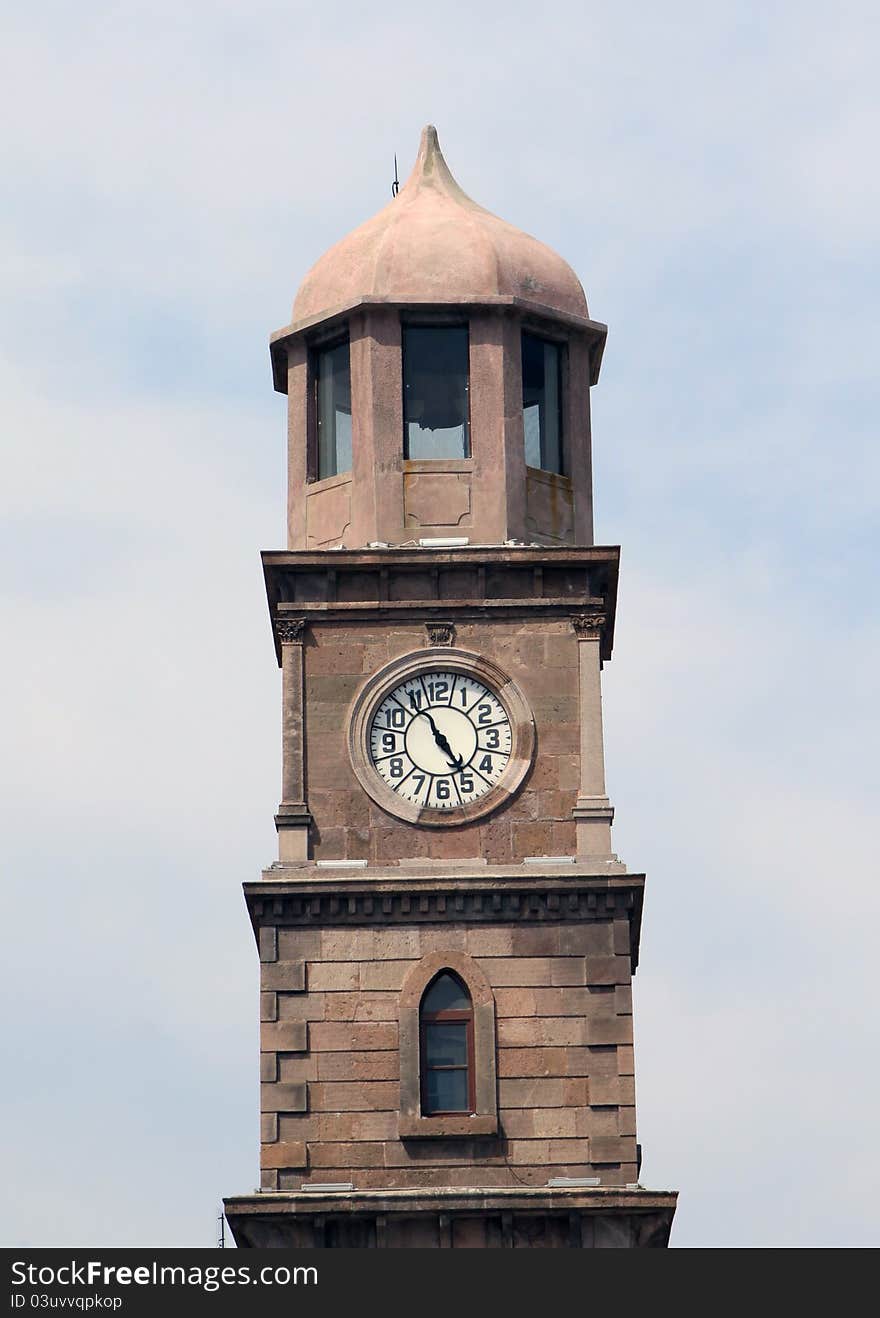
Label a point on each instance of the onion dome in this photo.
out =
(433, 244)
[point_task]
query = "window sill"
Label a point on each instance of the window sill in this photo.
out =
(328, 482)
(446, 1126)
(549, 477)
(414, 465)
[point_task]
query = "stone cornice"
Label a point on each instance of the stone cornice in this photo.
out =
(464, 1197)
(645, 1215)
(401, 583)
(408, 555)
(389, 901)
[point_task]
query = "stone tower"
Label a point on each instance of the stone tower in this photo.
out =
(447, 940)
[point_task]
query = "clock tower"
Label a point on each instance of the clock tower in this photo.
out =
(446, 940)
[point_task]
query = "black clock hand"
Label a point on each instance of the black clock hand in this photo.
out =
(455, 761)
(438, 735)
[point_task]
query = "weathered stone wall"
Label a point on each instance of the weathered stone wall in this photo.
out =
(330, 1064)
(540, 655)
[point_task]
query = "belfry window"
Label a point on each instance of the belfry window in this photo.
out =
(542, 402)
(435, 391)
(446, 1036)
(332, 377)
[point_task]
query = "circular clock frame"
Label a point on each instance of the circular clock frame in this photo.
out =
(447, 659)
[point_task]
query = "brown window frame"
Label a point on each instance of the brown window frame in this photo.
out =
(412, 1122)
(447, 1018)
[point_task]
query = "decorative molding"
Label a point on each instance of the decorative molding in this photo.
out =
(443, 906)
(422, 973)
(485, 670)
(440, 633)
(290, 631)
(588, 626)
(593, 807)
(607, 1215)
(309, 906)
(409, 585)
(293, 814)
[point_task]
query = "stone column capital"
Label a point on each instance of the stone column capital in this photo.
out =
(588, 626)
(290, 631)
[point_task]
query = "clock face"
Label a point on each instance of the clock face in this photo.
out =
(441, 739)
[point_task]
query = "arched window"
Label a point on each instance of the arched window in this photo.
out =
(446, 1039)
(448, 1081)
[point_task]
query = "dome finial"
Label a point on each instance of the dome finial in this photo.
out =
(431, 170)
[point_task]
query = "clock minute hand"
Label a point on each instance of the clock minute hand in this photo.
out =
(455, 761)
(438, 735)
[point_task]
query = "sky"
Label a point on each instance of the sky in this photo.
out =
(169, 173)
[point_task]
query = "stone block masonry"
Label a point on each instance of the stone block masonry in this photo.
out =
(541, 656)
(331, 1094)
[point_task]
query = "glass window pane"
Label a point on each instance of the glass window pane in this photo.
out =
(333, 377)
(542, 410)
(532, 426)
(435, 391)
(551, 449)
(447, 1091)
(446, 1044)
(447, 993)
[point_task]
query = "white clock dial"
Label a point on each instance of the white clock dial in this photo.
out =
(440, 739)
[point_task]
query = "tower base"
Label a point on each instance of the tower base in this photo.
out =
(454, 1218)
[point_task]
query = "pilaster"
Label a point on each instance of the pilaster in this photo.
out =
(593, 811)
(293, 819)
